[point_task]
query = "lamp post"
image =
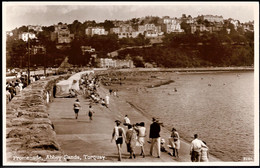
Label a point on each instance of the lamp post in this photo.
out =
(28, 78)
(44, 52)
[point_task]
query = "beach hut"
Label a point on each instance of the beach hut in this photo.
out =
(62, 88)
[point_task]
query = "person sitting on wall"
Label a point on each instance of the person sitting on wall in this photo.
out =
(72, 93)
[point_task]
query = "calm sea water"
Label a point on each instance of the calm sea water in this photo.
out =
(217, 106)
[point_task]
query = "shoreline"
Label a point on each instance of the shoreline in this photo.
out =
(197, 69)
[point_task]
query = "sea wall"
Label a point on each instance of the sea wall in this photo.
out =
(30, 134)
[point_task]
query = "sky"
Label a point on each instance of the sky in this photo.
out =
(49, 13)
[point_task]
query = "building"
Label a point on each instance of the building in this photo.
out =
(63, 33)
(149, 30)
(151, 34)
(107, 63)
(190, 20)
(141, 28)
(53, 36)
(25, 36)
(95, 30)
(111, 63)
(172, 28)
(36, 28)
(125, 31)
(88, 49)
(248, 26)
(199, 28)
(9, 33)
(112, 54)
(236, 23)
(212, 18)
(38, 49)
(115, 30)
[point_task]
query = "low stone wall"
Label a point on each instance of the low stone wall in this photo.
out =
(30, 135)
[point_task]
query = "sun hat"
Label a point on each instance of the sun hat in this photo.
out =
(117, 121)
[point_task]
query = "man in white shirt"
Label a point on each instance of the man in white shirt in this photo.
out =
(195, 149)
(126, 120)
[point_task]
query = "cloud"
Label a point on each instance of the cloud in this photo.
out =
(68, 9)
(23, 10)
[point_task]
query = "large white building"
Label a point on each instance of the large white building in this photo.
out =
(173, 27)
(95, 30)
(25, 36)
(212, 18)
(112, 63)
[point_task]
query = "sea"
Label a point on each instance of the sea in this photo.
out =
(218, 106)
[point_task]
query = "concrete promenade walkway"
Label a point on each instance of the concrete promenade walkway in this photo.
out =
(93, 138)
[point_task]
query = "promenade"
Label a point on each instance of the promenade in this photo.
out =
(83, 137)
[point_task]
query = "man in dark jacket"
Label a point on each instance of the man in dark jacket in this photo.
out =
(155, 137)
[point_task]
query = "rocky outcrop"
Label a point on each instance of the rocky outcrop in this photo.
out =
(30, 135)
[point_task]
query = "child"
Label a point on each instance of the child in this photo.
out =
(162, 146)
(90, 113)
(204, 153)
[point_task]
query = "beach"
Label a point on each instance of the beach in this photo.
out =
(216, 105)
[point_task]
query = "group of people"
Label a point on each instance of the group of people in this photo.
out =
(136, 133)
(113, 92)
(89, 87)
(14, 87)
(134, 136)
(77, 106)
(199, 150)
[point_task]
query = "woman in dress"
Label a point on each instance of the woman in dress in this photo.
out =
(175, 142)
(141, 130)
(204, 153)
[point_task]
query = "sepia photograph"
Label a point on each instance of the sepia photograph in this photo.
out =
(130, 83)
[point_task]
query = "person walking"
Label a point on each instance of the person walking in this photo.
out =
(126, 121)
(141, 137)
(175, 142)
(154, 135)
(90, 112)
(76, 108)
(118, 135)
(204, 153)
(195, 149)
(107, 100)
(130, 141)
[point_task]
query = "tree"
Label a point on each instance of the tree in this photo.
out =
(108, 25)
(75, 53)
(207, 23)
(186, 27)
(138, 61)
(17, 50)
